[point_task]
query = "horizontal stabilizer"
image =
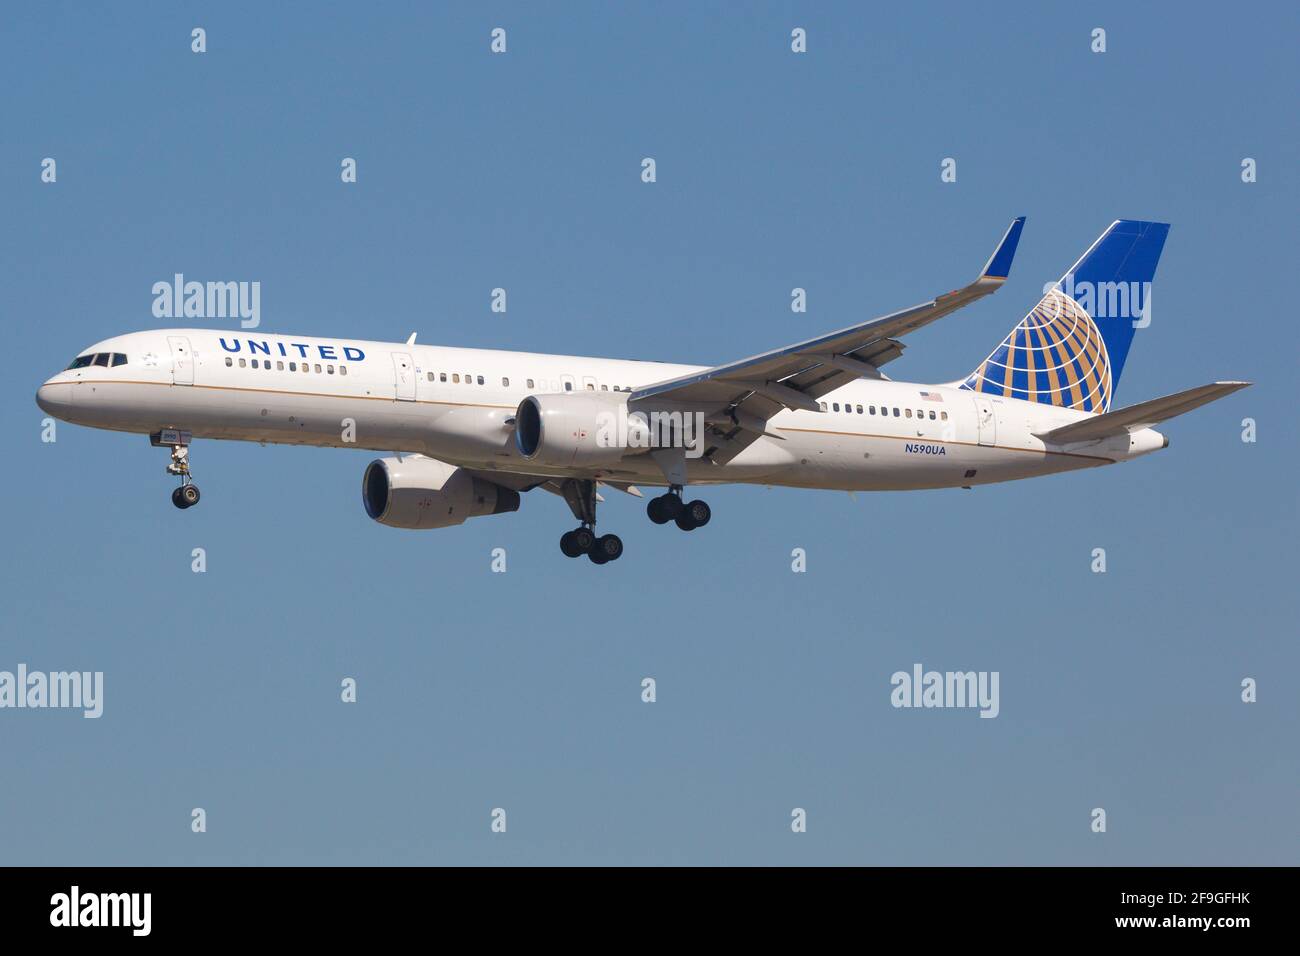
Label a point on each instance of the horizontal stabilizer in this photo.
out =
(1142, 415)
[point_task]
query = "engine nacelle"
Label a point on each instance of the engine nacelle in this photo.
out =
(419, 493)
(574, 429)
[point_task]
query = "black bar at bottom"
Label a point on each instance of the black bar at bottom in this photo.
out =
(339, 905)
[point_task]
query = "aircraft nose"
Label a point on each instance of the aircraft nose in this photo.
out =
(55, 398)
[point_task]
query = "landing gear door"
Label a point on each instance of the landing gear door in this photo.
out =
(986, 422)
(182, 360)
(404, 374)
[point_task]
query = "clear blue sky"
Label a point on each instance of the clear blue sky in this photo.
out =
(522, 690)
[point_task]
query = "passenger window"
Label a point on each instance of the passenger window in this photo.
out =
(604, 388)
(343, 370)
(293, 366)
(859, 409)
(306, 367)
(530, 383)
(480, 379)
(568, 386)
(329, 369)
(931, 414)
(505, 382)
(279, 366)
(442, 376)
(455, 377)
(871, 409)
(431, 376)
(896, 413)
(909, 412)
(317, 369)
(243, 364)
(943, 416)
(267, 365)
(102, 359)
(469, 379)
(229, 361)
(835, 405)
(255, 365)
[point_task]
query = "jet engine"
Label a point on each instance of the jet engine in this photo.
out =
(577, 429)
(419, 493)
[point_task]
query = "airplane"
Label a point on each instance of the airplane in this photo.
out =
(471, 429)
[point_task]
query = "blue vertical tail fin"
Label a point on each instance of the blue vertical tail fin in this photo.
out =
(1071, 348)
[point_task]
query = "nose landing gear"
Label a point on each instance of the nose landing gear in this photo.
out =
(187, 495)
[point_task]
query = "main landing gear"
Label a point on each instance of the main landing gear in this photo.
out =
(601, 549)
(669, 507)
(580, 493)
(187, 495)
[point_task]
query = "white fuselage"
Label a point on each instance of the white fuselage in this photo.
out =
(457, 405)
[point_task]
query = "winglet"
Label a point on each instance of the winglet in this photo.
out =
(999, 264)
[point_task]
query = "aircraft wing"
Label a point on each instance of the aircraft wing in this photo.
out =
(1142, 415)
(754, 389)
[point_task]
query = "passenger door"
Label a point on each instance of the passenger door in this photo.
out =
(986, 421)
(404, 377)
(182, 360)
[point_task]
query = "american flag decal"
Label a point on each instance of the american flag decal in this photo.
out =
(932, 396)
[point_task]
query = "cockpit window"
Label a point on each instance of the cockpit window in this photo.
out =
(101, 359)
